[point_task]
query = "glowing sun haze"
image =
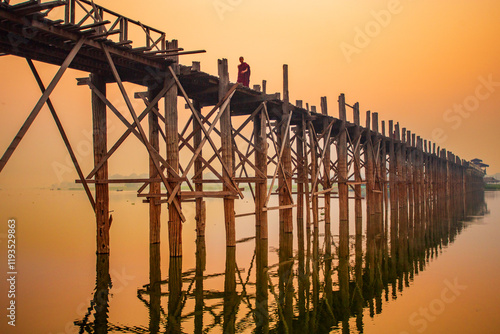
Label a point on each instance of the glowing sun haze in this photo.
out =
(430, 65)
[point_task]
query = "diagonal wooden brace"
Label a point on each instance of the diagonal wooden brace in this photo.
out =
(141, 130)
(41, 102)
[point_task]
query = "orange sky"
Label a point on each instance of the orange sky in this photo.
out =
(432, 66)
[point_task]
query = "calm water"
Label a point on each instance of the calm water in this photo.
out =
(440, 278)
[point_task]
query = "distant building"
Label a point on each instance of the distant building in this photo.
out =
(491, 180)
(478, 163)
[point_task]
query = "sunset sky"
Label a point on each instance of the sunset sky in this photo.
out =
(431, 65)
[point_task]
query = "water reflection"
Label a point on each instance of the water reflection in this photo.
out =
(99, 305)
(310, 289)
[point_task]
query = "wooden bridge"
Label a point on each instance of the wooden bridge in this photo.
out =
(307, 153)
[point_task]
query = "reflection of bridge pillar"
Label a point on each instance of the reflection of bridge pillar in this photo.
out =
(261, 301)
(100, 150)
(200, 269)
(101, 296)
(230, 295)
(154, 288)
(285, 276)
(174, 295)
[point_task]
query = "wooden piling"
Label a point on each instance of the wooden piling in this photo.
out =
(198, 184)
(301, 182)
(285, 180)
(227, 153)
(377, 182)
(371, 221)
(260, 139)
(393, 179)
(326, 179)
(100, 150)
(357, 171)
(370, 180)
(154, 187)
(402, 193)
(343, 204)
(383, 180)
(172, 143)
(314, 187)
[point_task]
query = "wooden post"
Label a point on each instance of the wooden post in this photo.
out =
(314, 193)
(371, 221)
(260, 138)
(410, 184)
(172, 143)
(378, 185)
(286, 218)
(326, 179)
(357, 171)
(301, 179)
(429, 185)
(227, 153)
(198, 184)
(154, 187)
(383, 180)
(403, 200)
(343, 205)
(393, 188)
(100, 150)
(378, 203)
(370, 186)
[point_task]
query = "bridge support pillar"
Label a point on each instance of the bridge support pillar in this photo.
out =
(154, 187)
(343, 206)
(227, 153)
(285, 174)
(100, 149)
(260, 139)
(172, 140)
(326, 179)
(198, 165)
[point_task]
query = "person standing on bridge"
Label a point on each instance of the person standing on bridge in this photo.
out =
(243, 73)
